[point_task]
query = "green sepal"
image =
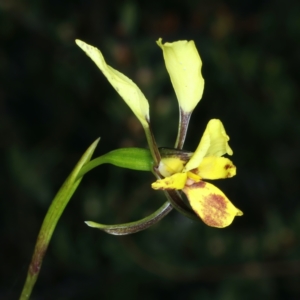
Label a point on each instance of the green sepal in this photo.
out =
(130, 158)
(133, 227)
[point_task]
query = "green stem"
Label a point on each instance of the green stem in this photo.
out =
(172, 195)
(184, 119)
(152, 146)
(178, 203)
(53, 214)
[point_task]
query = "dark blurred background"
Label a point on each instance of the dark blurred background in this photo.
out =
(55, 103)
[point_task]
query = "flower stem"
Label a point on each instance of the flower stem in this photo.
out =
(184, 119)
(53, 214)
(152, 146)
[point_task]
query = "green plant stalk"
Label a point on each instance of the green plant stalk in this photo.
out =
(184, 119)
(152, 146)
(53, 214)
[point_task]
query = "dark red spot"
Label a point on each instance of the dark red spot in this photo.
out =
(214, 210)
(228, 166)
(37, 260)
(195, 171)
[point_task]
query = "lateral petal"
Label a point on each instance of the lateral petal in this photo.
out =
(214, 142)
(213, 167)
(211, 205)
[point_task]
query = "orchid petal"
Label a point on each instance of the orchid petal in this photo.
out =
(184, 65)
(213, 167)
(126, 88)
(211, 204)
(214, 142)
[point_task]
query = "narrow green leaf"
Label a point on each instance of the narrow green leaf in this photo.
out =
(53, 214)
(133, 227)
(129, 158)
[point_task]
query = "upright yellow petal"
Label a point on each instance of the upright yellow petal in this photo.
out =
(211, 205)
(184, 65)
(213, 167)
(214, 142)
(126, 88)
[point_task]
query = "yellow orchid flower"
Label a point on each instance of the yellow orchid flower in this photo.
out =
(208, 202)
(184, 65)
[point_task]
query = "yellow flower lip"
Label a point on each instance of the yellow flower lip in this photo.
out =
(211, 205)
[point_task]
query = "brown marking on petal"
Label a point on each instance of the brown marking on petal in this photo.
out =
(228, 166)
(195, 171)
(198, 185)
(214, 210)
(164, 188)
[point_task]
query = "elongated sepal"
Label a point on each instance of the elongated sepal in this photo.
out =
(134, 227)
(125, 87)
(184, 65)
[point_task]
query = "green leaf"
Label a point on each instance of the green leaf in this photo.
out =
(129, 158)
(53, 214)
